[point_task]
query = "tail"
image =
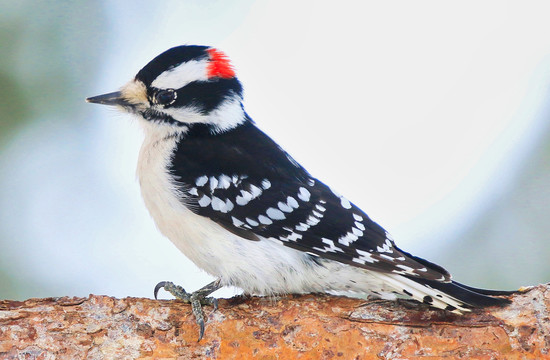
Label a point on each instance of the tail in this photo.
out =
(451, 296)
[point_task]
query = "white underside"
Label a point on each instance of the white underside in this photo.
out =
(259, 267)
(263, 267)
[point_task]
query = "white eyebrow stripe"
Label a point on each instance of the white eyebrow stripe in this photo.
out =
(181, 75)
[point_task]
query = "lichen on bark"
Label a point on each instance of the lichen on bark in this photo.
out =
(292, 327)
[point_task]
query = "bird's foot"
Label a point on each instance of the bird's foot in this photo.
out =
(196, 299)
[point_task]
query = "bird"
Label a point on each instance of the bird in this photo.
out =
(244, 211)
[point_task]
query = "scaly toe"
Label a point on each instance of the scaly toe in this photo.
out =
(196, 299)
(177, 291)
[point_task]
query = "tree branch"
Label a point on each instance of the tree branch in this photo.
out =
(291, 327)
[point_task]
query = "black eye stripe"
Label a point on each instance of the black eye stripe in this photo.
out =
(208, 95)
(202, 96)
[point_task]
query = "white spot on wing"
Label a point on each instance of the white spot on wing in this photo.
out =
(384, 256)
(356, 232)
(265, 220)
(275, 214)
(292, 202)
(321, 208)
(345, 203)
(252, 222)
(218, 204)
(348, 239)
(384, 248)
(304, 194)
(312, 221)
(255, 191)
(193, 191)
(201, 180)
(224, 182)
(405, 267)
(301, 227)
(266, 184)
(284, 207)
(204, 201)
(236, 221)
(213, 183)
(331, 247)
(293, 237)
(365, 256)
(244, 198)
(229, 205)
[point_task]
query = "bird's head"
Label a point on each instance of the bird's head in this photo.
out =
(182, 86)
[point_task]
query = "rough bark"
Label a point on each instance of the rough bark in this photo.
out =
(292, 327)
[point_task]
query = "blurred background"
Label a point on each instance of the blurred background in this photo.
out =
(433, 117)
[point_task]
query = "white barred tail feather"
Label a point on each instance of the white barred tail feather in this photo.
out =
(451, 296)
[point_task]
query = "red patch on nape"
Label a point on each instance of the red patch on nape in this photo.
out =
(219, 65)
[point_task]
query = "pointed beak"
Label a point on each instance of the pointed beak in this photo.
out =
(114, 98)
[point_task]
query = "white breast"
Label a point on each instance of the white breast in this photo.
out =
(259, 267)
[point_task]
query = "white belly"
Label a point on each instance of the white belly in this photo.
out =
(258, 267)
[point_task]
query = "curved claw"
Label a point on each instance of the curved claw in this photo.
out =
(159, 286)
(196, 299)
(200, 322)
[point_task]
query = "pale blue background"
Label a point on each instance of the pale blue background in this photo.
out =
(431, 116)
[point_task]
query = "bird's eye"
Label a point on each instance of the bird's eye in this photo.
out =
(166, 97)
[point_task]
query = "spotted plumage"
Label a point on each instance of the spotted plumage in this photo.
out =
(244, 210)
(281, 201)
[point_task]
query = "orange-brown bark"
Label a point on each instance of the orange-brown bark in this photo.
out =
(293, 327)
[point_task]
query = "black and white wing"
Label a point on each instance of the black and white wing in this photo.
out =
(243, 181)
(304, 215)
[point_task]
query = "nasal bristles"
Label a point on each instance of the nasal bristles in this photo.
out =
(219, 65)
